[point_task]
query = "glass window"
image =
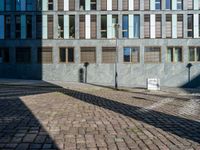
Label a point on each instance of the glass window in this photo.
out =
(131, 54)
(170, 54)
(191, 54)
(4, 55)
(18, 5)
(136, 26)
(17, 27)
(93, 5)
(127, 54)
(50, 4)
(125, 26)
(39, 5)
(178, 55)
(190, 25)
(8, 5)
(114, 22)
(23, 55)
(60, 26)
(168, 4)
(179, 5)
(7, 26)
(158, 4)
(67, 55)
(174, 54)
(103, 26)
(82, 4)
(29, 5)
(29, 26)
(71, 26)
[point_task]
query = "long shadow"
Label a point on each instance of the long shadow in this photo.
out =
(182, 127)
(19, 127)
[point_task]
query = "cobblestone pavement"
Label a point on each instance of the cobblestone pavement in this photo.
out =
(51, 117)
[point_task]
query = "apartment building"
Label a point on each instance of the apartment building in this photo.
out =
(52, 39)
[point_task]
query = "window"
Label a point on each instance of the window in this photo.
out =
(103, 4)
(114, 22)
(60, 5)
(7, 26)
(168, 26)
(29, 26)
(194, 54)
(50, 26)
(174, 54)
(88, 54)
(190, 4)
(60, 26)
(29, 5)
(152, 55)
(38, 26)
(39, 5)
(67, 55)
(82, 26)
(93, 4)
(103, 26)
(136, 26)
(18, 5)
(45, 55)
(71, 5)
(4, 55)
(125, 26)
(125, 4)
(23, 55)
(50, 4)
(108, 55)
(82, 4)
(114, 4)
(17, 27)
(168, 4)
(71, 26)
(131, 54)
(158, 4)
(93, 27)
(8, 5)
(180, 26)
(190, 25)
(136, 4)
(179, 5)
(146, 26)
(158, 26)
(147, 5)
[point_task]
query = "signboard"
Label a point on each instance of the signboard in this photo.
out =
(153, 84)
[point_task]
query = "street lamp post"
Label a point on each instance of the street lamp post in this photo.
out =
(116, 53)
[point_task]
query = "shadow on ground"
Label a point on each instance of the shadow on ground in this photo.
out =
(17, 121)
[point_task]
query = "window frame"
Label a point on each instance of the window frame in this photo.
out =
(173, 54)
(66, 59)
(130, 53)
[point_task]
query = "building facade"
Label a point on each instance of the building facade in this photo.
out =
(51, 40)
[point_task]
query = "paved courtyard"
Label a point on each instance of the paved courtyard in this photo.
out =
(47, 116)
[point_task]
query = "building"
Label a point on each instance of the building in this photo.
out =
(51, 39)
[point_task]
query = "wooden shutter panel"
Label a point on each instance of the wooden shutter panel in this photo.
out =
(179, 26)
(71, 5)
(147, 5)
(88, 54)
(190, 4)
(103, 4)
(158, 26)
(114, 4)
(135, 57)
(82, 26)
(93, 27)
(146, 26)
(60, 5)
(45, 55)
(50, 26)
(152, 55)
(136, 4)
(125, 4)
(168, 26)
(108, 54)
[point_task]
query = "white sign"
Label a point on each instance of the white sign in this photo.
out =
(153, 84)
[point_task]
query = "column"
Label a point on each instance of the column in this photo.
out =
(44, 27)
(109, 4)
(196, 5)
(196, 25)
(66, 5)
(87, 5)
(152, 25)
(44, 5)
(130, 5)
(174, 26)
(152, 4)
(130, 26)
(109, 26)
(87, 27)
(174, 5)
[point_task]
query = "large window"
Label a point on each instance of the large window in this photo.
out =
(174, 54)
(179, 4)
(71, 26)
(60, 26)
(194, 54)
(7, 26)
(50, 4)
(23, 55)
(67, 55)
(190, 25)
(108, 55)
(125, 26)
(168, 4)
(17, 27)
(88, 54)
(4, 55)
(158, 4)
(131, 54)
(152, 55)
(29, 26)
(45, 55)
(136, 26)
(103, 26)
